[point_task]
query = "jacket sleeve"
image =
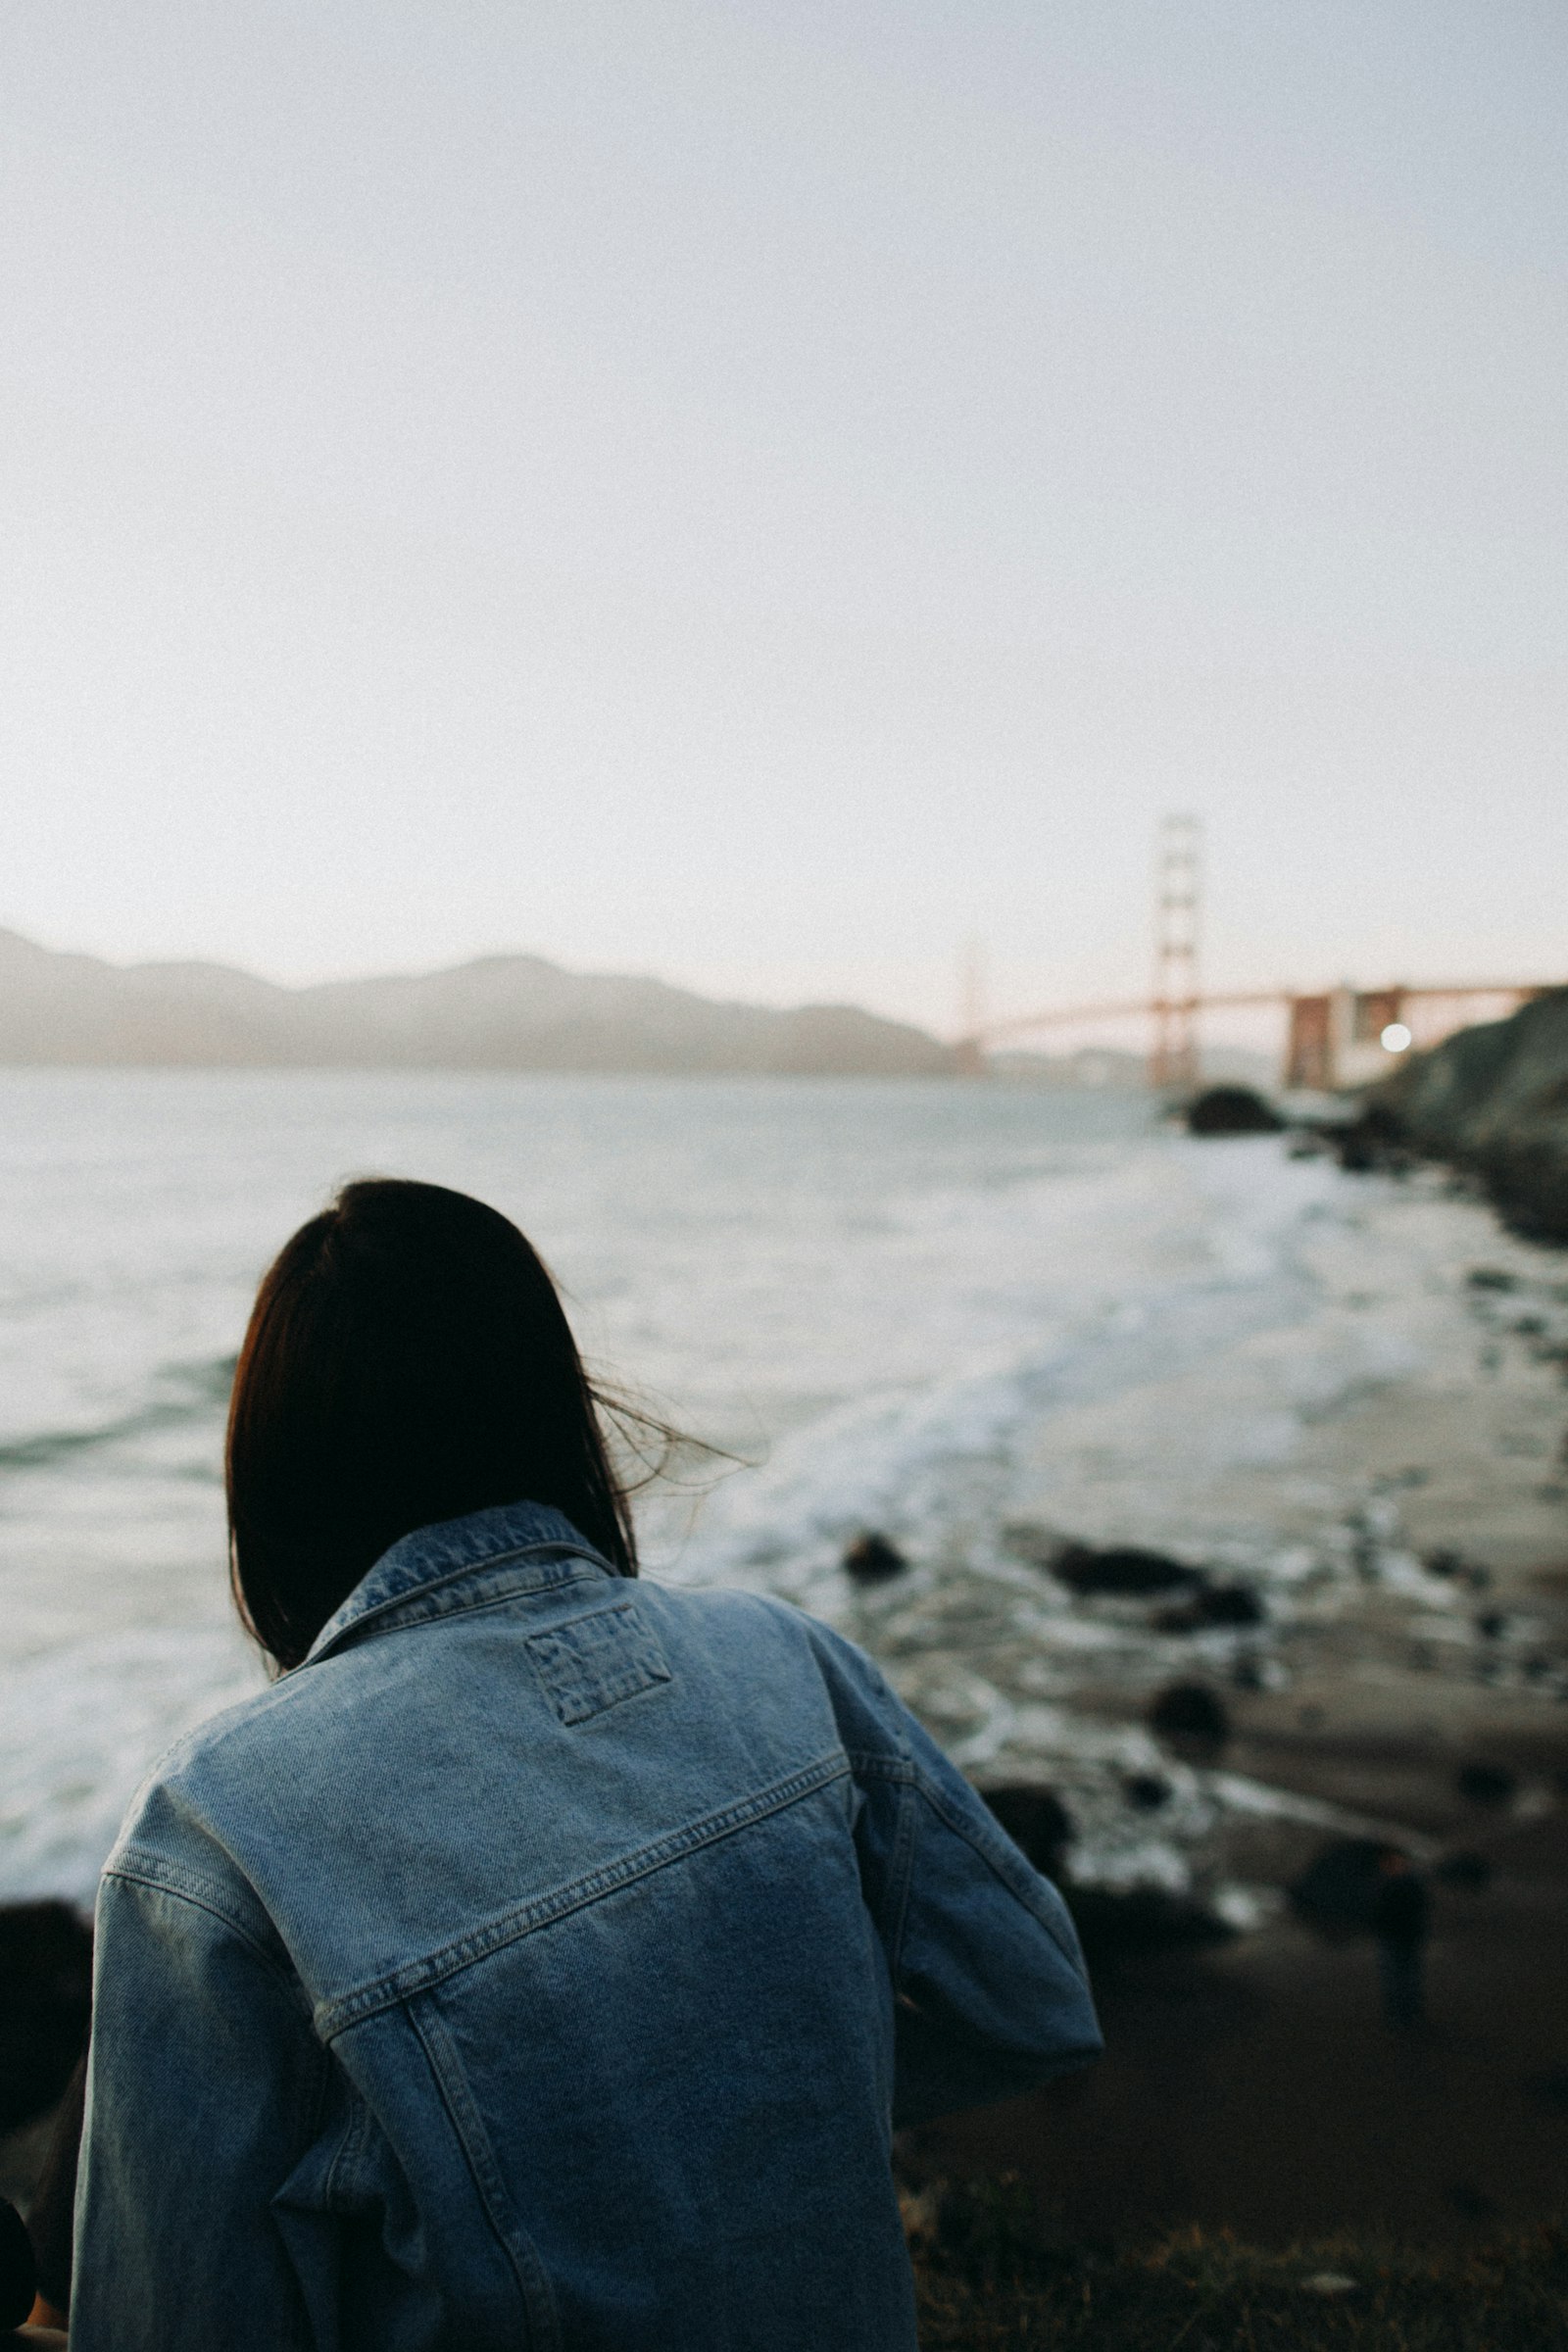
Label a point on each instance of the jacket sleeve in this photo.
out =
(203, 2080)
(990, 1991)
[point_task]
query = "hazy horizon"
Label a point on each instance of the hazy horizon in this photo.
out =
(760, 501)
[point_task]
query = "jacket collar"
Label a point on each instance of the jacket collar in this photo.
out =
(452, 1548)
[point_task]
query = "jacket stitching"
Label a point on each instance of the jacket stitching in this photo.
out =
(533, 2284)
(447, 1608)
(322, 2071)
(578, 1564)
(877, 1765)
(334, 2017)
(337, 2194)
(903, 1874)
(633, 1680)
(165, 1878)
(954, 1820)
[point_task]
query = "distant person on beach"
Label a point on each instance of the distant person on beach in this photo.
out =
(546, 1957)
(1400, 1920)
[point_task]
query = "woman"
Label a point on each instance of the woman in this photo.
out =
(546, 1958)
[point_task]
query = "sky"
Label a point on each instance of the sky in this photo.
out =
(768, 495)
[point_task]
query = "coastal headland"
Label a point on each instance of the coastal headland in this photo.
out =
(1492, 1100)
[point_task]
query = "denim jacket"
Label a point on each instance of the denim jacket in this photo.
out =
(545, 1962)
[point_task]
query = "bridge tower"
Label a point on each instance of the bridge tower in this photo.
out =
(1173, 1059)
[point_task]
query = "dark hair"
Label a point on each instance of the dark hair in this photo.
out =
(407, 1361)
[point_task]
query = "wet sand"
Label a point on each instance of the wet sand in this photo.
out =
(1257, 2088)
(1255, 2085)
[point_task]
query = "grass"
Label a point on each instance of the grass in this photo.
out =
(990, 2282)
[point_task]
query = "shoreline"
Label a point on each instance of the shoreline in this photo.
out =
(1253, 2085)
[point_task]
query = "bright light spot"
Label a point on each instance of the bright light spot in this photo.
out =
(1395, 1037)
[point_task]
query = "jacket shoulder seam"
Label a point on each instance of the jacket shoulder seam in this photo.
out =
(140, 1868)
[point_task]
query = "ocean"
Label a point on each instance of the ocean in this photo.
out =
(865, 1294)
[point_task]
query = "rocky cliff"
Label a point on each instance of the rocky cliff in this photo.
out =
(1495, 1100)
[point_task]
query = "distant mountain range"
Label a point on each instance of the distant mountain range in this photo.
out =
(503, 1012)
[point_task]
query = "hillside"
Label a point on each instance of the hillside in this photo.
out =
(1494, 1098)
(503, 1012)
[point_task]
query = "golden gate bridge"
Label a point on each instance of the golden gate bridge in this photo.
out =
(1344, 1036)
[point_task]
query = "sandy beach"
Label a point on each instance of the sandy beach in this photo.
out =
(1253, 2085)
